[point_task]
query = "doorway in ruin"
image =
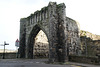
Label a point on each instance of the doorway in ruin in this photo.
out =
(41, 46)
(36, 47)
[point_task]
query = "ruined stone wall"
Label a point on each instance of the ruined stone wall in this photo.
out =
(90, 43)
(11, 55)
(73, 37)
(41, 50)
(41, 42)
(62, 32)
(88, 40)
(89, 35)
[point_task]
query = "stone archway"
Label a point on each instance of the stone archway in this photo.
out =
(60, 30)
(31, 41)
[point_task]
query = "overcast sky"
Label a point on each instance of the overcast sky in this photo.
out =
(85, 12)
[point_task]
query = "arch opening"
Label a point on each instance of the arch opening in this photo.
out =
(41, 46)
(38, 46)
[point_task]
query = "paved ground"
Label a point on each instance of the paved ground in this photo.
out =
(37, 63)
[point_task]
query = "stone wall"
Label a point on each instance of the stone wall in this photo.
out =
(8, 55)
(90, 43)
(41, 50)
(89, 35)
(88, 40)
(41, 41)
(84, 59)
(73, 37)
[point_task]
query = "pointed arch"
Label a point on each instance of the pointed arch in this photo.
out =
(31, 41)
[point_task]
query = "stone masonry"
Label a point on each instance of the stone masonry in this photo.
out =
(90, 44)
(62, 33)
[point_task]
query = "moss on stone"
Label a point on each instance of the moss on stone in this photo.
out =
(36, 12)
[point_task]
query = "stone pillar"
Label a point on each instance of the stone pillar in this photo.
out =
(22, 37)
(62, 34)
(52, 32)
(57, 32)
